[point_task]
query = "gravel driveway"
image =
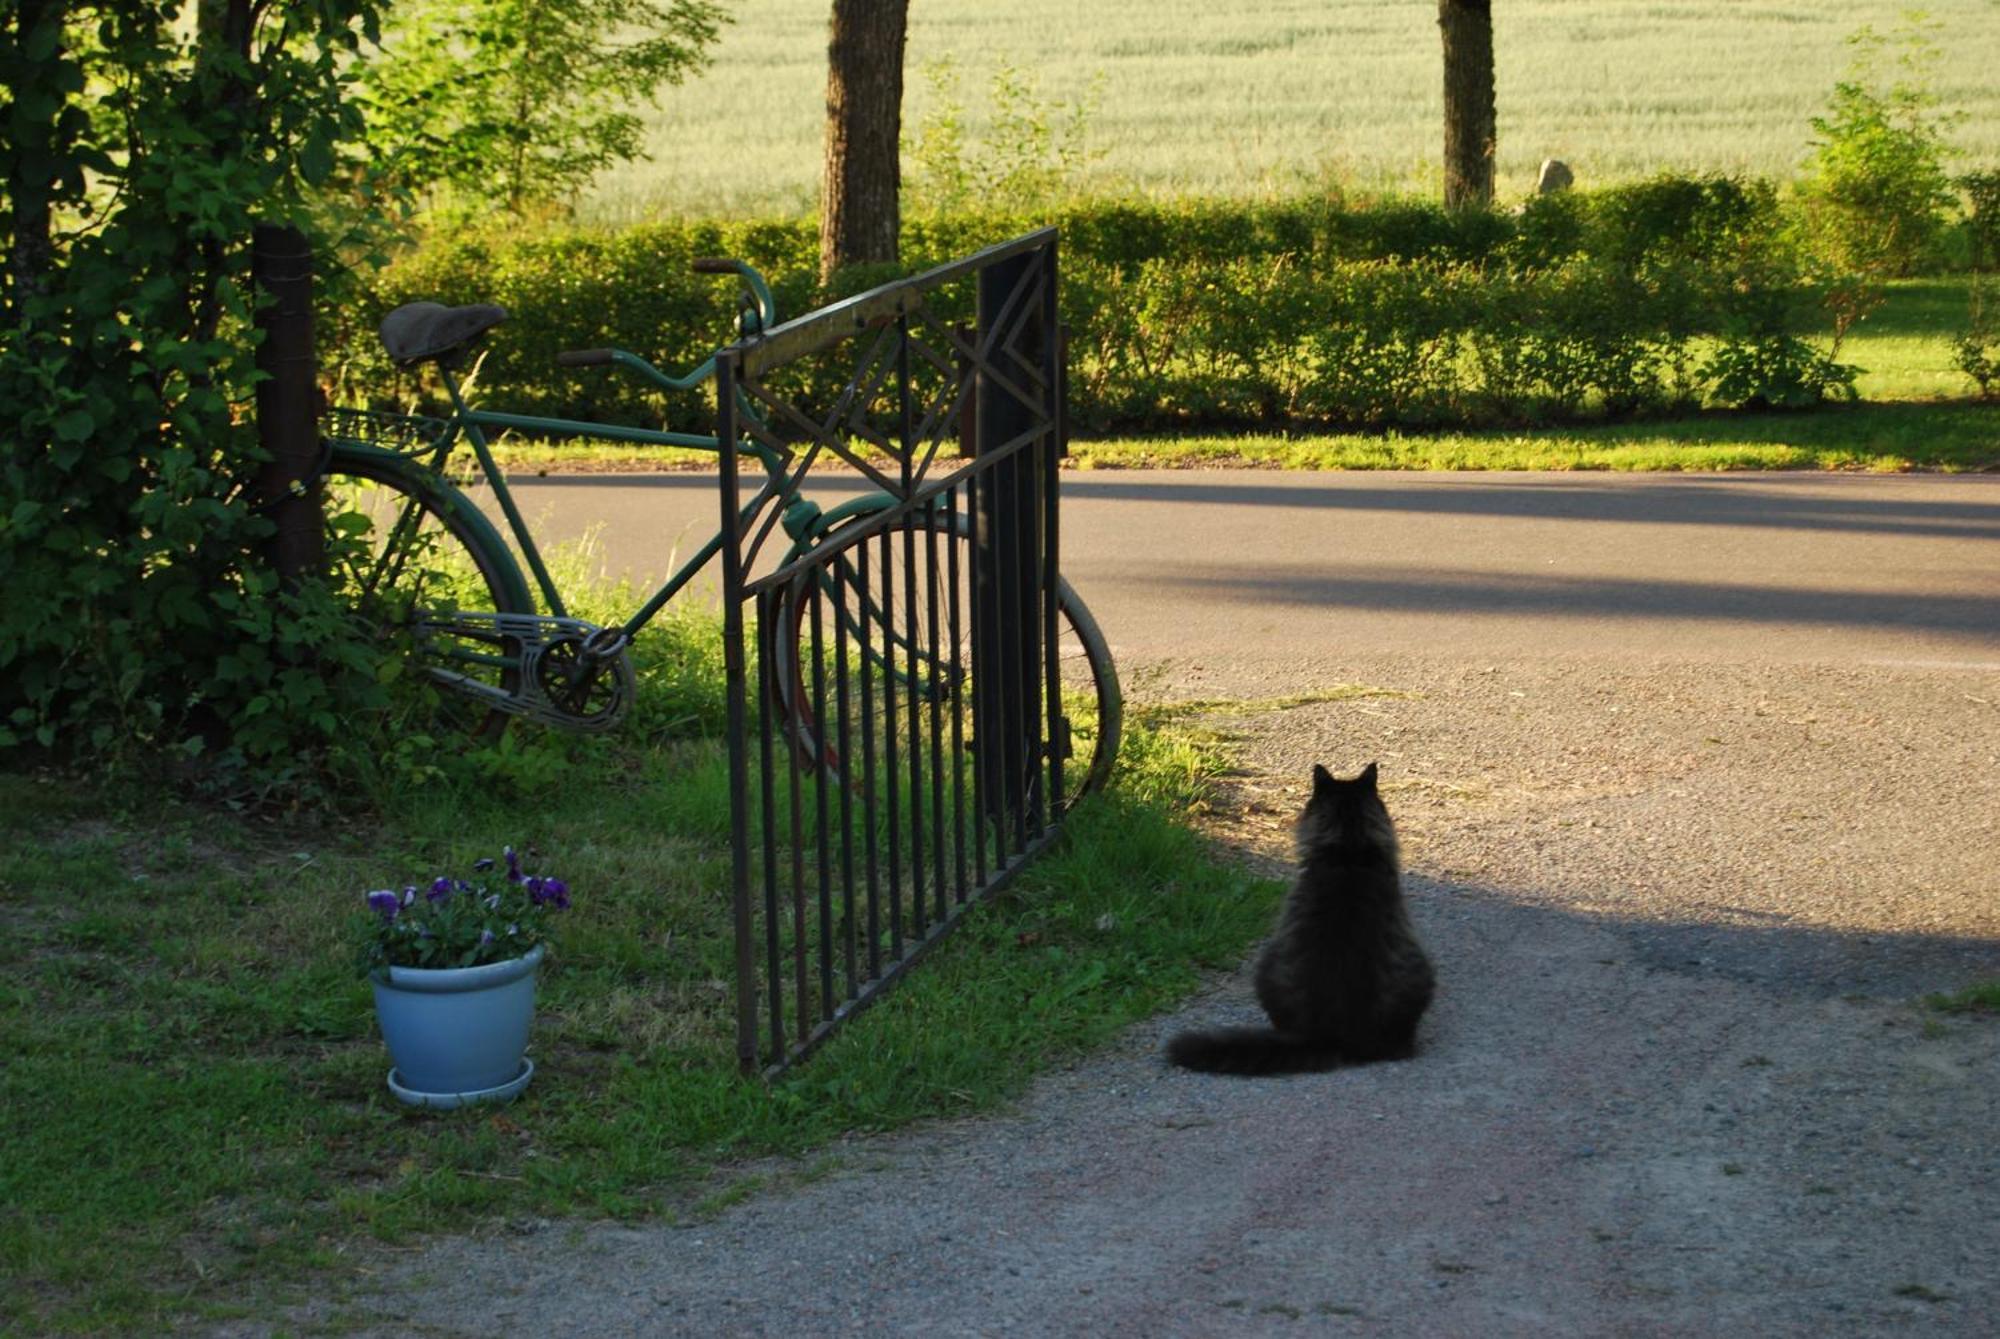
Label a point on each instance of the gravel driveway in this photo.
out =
(1675, 1081)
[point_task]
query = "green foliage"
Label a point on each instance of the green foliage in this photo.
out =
(1776, 372)
(136, 156)
(1876, 197)
(1976, 349)
(519, 102)
(1032, 152)
(1982, 218)
(1298, 313)
(1981, 997)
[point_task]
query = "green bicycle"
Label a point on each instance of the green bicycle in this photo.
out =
(427, 568)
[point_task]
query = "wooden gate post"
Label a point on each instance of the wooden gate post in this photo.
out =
(287, 398)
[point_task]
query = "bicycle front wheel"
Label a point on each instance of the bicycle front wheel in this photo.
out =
(880, 645)
(407, 553)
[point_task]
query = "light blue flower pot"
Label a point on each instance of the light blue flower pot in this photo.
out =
(458, 1034)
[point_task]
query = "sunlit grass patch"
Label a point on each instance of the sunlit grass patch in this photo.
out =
(1879, 437)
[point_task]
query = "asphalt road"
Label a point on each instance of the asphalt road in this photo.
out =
(1244, 570)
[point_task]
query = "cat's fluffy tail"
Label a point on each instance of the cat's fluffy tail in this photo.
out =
(1251, 1050)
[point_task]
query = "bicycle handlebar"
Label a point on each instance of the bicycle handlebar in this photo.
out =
(760, 292)
(764, 306)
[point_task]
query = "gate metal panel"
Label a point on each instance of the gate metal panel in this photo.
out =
(896, 730)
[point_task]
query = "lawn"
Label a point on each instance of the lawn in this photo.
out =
(1246, 99)
(193, 1101)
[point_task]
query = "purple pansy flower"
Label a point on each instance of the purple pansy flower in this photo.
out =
(421, 921)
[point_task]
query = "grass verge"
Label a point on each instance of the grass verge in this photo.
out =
(193, 1101)
(1952, 436)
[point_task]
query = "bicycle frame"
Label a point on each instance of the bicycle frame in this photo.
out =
(804, 521)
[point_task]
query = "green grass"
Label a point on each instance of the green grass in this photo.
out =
(1249, 99)
(1890, 437)
(1980, 998)
(1904, 347)
(193, 1104)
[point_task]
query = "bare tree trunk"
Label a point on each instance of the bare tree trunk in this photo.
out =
(1468, 101)
(860, 214)
(288, 399)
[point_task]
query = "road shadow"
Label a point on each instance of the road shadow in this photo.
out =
(1780, 501)
(1763, 501)
(1473, 593)
(1806, 961)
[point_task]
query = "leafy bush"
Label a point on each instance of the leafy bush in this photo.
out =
(1031, 151)
(1284, 313)
(1976, 350)
(1982, 218)
(140, 612)
(1876, 197)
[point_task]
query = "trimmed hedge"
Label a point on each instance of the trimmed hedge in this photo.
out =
(1622, 301)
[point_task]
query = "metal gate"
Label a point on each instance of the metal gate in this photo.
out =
(897, 736)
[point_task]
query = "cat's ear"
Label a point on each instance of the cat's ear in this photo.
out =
(1367, 777)
(1323, 782)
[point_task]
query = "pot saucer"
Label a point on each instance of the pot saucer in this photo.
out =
(506, 1092)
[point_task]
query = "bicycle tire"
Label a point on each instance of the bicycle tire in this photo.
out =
(789, 641)
(429, 550)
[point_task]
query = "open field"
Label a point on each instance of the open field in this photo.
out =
(1240, 98)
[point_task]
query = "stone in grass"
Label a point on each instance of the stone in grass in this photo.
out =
(1555, 176)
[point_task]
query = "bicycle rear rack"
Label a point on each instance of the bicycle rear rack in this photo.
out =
(404, 434)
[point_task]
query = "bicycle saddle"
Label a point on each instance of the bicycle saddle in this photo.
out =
(417, 331)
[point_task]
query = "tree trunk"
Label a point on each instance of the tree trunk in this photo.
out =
(281, 263)
(1468, 101)
(860, 216)
(31, 187)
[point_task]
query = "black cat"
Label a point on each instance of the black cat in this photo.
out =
(1343, 977)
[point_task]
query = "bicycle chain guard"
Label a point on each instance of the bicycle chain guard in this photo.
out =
(574, 675)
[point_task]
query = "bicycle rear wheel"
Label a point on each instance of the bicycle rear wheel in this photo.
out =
(882, 641)
(405, 552)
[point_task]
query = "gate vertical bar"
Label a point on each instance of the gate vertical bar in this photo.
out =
(738, 715)
(1055, 351)
(1006, 530)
